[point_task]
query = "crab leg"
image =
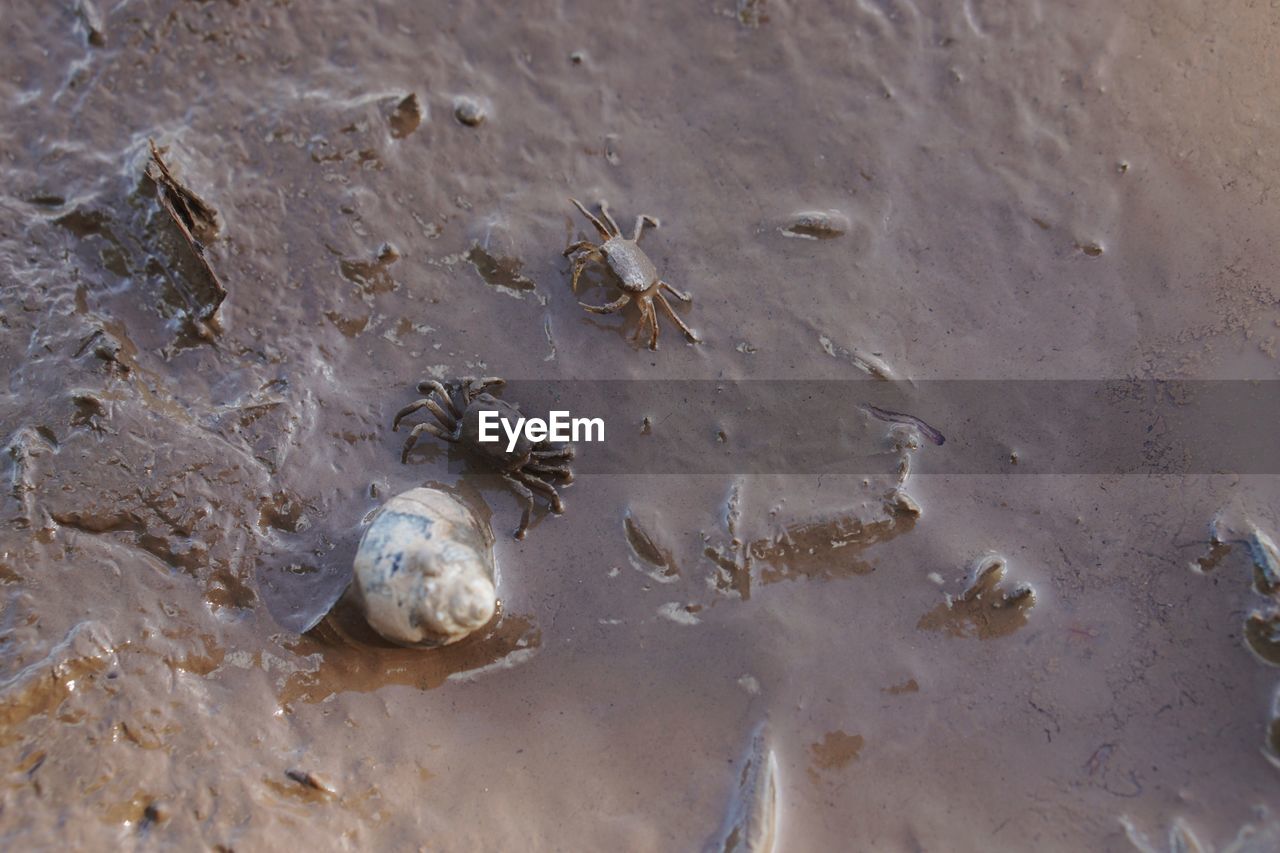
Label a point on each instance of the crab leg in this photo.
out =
(642, 325)
(604, 232)
(604, 209)
(561, 471)
(523, 491)
(653, 322)
(610, 308)
(475, 387)
(651, 316)
(419, 430)
(579, 246)
(549, 454)
(425, 403)
(426, 386)
(678, 294)
(641, 221)
(688, 333)
(580, 264)
(448, 421)
(406, 411)
(541, 486)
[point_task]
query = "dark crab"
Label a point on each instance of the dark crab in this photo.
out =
(637, 276)
(457, 409)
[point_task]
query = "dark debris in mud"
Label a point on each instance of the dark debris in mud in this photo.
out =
(406, 117)
(499, 271)
(197, 222)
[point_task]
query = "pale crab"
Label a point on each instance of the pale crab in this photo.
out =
(637, 276)
(524, 468)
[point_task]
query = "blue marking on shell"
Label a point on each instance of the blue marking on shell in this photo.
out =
(421, 523)
(390, 531)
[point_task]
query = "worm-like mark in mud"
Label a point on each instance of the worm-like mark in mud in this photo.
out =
(899, 418)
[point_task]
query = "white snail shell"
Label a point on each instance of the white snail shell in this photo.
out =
(424, 571)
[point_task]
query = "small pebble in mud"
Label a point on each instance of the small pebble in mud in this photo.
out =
(424, 570)
(1093, 250)
(816, 225)
(577, 57)
(469, 111)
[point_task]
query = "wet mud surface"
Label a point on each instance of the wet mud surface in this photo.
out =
(903, 660)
